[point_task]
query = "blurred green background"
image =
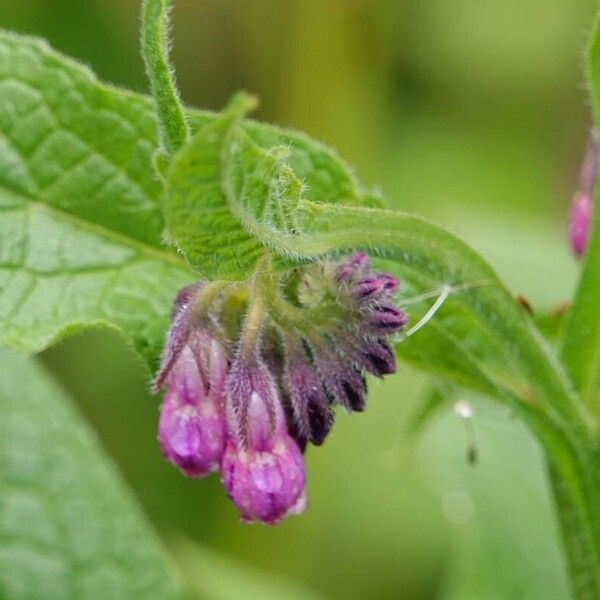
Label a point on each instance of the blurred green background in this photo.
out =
(470, 112)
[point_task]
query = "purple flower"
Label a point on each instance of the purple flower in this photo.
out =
(294, 360)
(582, 205)
(262, 470)
(191, 427)
(266, 485)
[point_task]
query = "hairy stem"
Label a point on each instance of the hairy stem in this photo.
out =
(172, 121)
(582, 547)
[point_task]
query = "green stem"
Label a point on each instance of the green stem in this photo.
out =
(172, 121)
(256, 313)
(581, 545)
(581, 349)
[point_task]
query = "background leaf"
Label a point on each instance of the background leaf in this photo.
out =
(68, 528)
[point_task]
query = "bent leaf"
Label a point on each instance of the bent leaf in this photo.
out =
(235, 189)
(81, 209)
(68, 528)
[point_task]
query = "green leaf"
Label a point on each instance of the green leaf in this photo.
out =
(236, 188)
(68, 527)
(81, 210)
(198, 219)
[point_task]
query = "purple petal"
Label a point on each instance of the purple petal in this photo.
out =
(191, 427)
(386, 319)
(267, 485)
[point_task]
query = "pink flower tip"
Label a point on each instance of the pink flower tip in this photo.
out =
(191, 428)
(580, 222)
(266, 485)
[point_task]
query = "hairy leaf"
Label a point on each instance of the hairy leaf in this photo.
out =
(81, 210)
(236, 187)
(68, 528)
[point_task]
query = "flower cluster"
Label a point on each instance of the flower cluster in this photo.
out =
(582, 205)
(252, 374)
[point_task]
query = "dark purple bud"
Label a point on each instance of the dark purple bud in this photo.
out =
(311, 414)
(580, 222)
(386, 319)
(374, 287)
(354, 388)
(390, 283)
(365, 352)
(320, 417)
(368, 288)
(357, 264)
(266, 485)
(379, 358)
(191, 428)
(342, 381)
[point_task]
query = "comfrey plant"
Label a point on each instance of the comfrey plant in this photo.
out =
(279, 275)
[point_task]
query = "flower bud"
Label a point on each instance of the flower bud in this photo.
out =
(357, 264)
(343, 382)
(266, 485)
(263, 469)
(386, 319)
(374, 287)
(379, 358)
(580, 222)
(191, 428)
(311, 413)
(254, 411)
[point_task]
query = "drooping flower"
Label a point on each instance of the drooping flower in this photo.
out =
(263, 469)
(191, 427)
(582, 205)
(300, 346)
